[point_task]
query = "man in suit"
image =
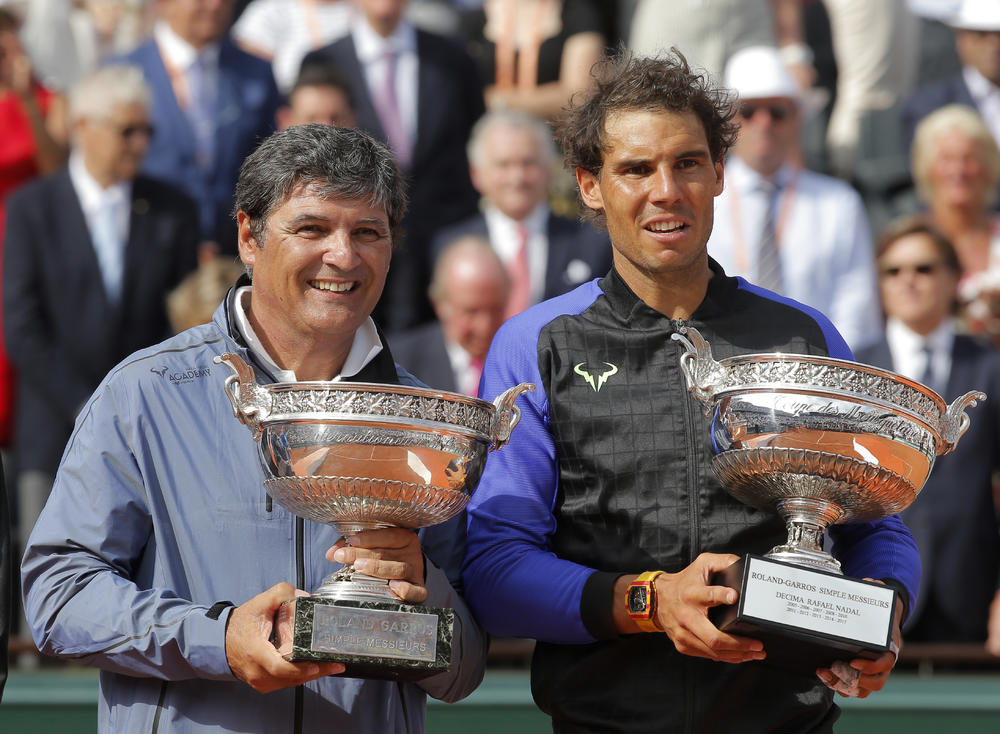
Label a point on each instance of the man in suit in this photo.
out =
(953, 519)
(512, 156)
(420, 93)
(977, 40)
(212, 104)
(783, 227)
(469, 292)
(90, 253)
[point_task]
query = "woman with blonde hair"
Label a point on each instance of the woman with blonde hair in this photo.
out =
(956, 167)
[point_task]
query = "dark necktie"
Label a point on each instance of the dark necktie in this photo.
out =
(768, 273)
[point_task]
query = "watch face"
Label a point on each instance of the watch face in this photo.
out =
(638, 600)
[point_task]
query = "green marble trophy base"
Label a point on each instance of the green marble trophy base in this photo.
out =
(375, 639)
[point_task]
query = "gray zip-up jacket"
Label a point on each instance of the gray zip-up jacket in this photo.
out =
(158, 513)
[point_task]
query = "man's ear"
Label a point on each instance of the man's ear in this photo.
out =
(248, 246)
(720, 176)
(590, 189)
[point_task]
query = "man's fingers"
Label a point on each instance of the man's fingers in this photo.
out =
(408, 592)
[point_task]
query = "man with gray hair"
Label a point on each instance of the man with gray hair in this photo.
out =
(511, 159)
(158, 516)
(90, 253)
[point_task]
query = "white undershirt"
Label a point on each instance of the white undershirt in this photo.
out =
(364, 348)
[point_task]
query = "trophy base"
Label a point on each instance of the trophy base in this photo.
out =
(374, 639)
(806, 618)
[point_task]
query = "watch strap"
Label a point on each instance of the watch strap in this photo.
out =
(647, 623)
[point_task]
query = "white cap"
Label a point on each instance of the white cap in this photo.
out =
(977, 15)
(757, 72)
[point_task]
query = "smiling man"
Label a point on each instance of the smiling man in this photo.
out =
(609, 475)
(158, 516)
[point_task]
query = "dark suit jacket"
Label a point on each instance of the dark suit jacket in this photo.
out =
(62, 333)
(926, 99)
(577, 251)
(423, 353)
(449, 101)
(953, 518)
(247, 102)
(7, 569)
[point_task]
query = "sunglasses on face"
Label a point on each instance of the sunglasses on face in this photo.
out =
(131, 131)
(920, 269)
(777, 112)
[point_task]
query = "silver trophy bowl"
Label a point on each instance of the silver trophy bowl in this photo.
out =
(361, 456)
(819, 440)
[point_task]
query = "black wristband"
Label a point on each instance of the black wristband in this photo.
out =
(216, 609)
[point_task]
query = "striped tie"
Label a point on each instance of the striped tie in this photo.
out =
(768, 273)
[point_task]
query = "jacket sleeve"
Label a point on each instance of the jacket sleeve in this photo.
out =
(512, 580)
(882, 550)
(468, 645)
(92, 543)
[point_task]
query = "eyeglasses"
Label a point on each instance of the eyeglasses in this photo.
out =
(778, 112)
(920, 269)
(130, 131)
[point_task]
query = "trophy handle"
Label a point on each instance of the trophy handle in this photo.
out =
(955, 421)
(704, 375)
(249, 402)
(507, 414)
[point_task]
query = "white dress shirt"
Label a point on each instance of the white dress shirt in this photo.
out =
(364, 348)
(909, 358)
(466, 375)
(371, 49)
(93, 200)
(503, 235)
(827, 259)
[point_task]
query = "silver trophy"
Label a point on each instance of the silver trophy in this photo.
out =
(361, 456)
(819, 441)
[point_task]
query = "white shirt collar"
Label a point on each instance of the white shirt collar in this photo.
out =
(746, 179)
(535, 222)
(90, 193)
(900, 336)
(979, 86)
(370, 46)
(178, 53)
(364, 348)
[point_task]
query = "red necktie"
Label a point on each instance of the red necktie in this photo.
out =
(520, 277)
(473, 375)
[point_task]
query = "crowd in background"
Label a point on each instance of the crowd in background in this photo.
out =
(123, 124)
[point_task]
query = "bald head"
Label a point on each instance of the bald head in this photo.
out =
(469, 293)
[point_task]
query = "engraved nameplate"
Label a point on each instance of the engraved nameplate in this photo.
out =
(374, 633)
(818, 602)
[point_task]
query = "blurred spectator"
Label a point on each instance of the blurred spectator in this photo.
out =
(977, 38)
(938, 56)
(469, 292)
(419, 92)
(788, 229)
(195, 299)
(876, 50)
(212, 104)
(956, 167)
(32, 141)
(7, 567)
(953, 519)
(89, 256)
(534, 54)
(319, 94)
(284, 31)
(709, 32)
(68, 39)
(512, 157)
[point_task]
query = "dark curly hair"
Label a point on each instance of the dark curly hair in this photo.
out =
(625, 82)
